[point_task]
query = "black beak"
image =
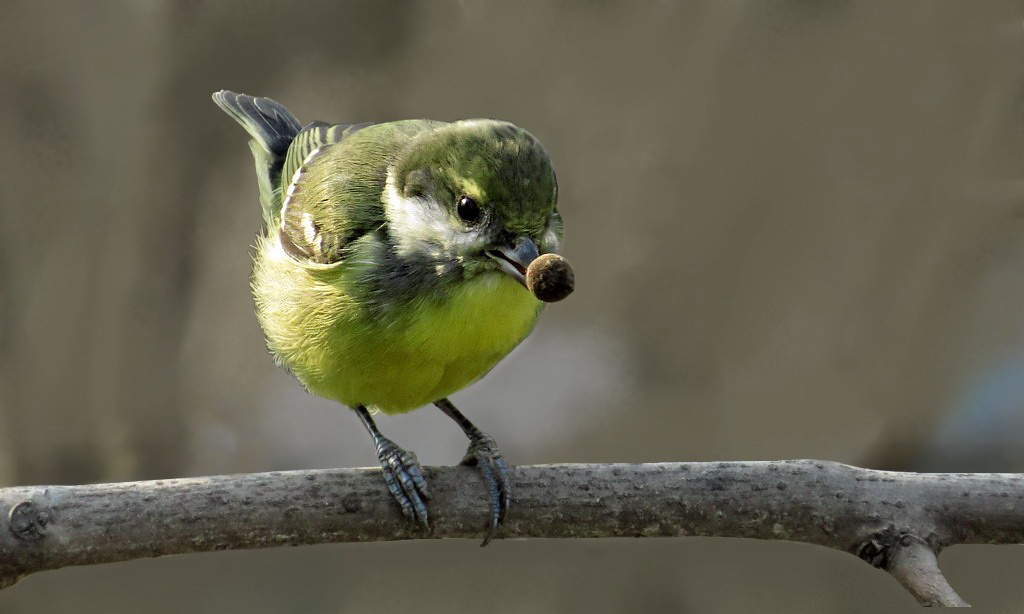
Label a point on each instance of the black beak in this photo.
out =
(516, 259)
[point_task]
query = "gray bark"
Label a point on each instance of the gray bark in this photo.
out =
(895, 521)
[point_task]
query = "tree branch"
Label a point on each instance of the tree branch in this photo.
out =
(895, 521)
(913, 563)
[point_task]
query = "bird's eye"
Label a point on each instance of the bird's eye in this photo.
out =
(468, 210)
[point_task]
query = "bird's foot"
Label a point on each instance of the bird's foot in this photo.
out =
(483, 452)
(404, 477)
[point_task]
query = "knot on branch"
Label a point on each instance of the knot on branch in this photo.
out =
(27, 521)
(911, 560)
(878, 550)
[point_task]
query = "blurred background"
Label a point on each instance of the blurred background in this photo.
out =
(797, 227)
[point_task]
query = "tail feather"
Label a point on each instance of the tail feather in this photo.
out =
(272, 128)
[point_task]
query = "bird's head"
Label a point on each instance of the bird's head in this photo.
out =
(474, 196)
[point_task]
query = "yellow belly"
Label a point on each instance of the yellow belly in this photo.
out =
(429, 351)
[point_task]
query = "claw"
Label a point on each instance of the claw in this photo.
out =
(483, 452)
(404, 477)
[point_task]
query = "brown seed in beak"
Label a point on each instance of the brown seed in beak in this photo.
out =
(550, 278)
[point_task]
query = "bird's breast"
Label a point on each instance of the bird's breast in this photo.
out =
(409, 356)
(488, 314)
(445, 343)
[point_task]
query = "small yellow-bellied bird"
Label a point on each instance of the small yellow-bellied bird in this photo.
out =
(394, 266)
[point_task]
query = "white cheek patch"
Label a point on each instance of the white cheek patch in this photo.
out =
(422, 226)
(550, 242)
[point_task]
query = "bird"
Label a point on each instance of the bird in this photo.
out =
(393, 267)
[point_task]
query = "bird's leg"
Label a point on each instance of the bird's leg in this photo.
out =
(484, 453)
(402, 472)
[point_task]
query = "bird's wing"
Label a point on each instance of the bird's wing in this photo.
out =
(309, 230)
(333, 197)
(313, 136)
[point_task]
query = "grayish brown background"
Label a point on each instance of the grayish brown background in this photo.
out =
(798, 231)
